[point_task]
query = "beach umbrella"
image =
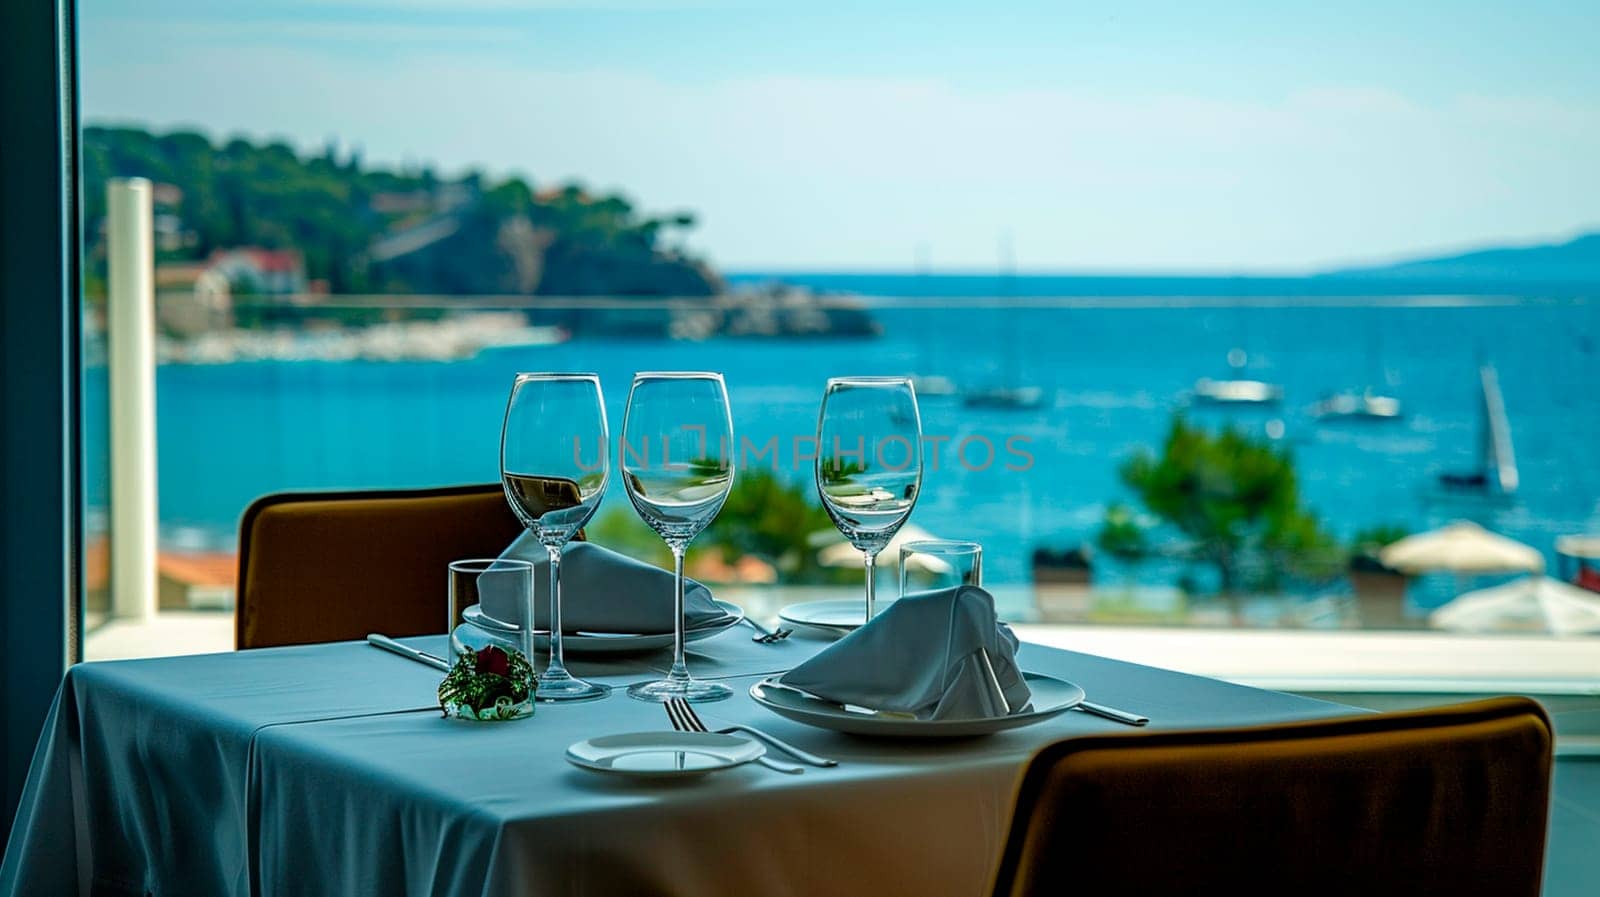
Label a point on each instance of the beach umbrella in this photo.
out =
(1462, 548)
(1533, 603)
(843, 554)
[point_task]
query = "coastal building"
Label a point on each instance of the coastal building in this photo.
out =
(252, 269)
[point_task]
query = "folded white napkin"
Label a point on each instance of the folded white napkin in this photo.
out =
(601, 591)
(935, 655)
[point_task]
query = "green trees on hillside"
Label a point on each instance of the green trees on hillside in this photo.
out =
(333, 209)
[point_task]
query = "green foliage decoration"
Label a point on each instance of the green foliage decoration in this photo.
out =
(488, 684)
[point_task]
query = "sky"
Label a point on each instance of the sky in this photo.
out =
(1202, 137)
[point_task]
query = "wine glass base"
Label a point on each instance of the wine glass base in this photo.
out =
(568, 688)
(691, 690)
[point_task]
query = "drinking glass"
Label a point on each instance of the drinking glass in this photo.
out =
(677, 464)
(468, 581)
(554, 464)
(939, 564)
(869, 462)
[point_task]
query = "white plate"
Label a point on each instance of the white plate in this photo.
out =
(663, 755)
(609, 643)
(1051, 696)
(839, 615)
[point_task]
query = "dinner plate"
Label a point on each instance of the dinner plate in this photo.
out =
(838, 615)
(608, 642)
(1051, 697)
(663, 755)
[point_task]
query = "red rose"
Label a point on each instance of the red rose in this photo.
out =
(493, 660)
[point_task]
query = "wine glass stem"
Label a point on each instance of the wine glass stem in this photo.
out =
(872, 583)
(680, 670)
(558, 667)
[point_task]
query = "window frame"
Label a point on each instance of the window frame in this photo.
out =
(40, 452)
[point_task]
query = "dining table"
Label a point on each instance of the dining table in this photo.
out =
(329, 769)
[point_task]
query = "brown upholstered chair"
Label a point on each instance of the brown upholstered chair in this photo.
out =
(1445, 801)
(319, 567)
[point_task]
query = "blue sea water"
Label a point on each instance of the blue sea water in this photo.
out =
(1114, 359)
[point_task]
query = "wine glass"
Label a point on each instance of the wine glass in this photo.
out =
(554, 464)
(677, 464)
(869, 462)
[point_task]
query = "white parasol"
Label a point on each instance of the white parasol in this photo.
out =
(1462, 548)
(843, 554)
(1533, 603)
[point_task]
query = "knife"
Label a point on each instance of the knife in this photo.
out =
(852, 708)
(408, 652)
(1112, 713)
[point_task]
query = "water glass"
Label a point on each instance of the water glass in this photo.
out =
(513, 699)
(939, 564)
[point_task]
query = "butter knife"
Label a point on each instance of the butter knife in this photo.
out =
(388, 644)
(1112, 713)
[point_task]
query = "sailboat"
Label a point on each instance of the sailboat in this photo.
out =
(929, 385)
(1008, 394)
(1365, 405)
(1497, 459)
(933, 385)
(1236, 389)
(1012, 397)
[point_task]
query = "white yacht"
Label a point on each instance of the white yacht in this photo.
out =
(1237, 389)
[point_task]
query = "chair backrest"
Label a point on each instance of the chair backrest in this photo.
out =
(331, 566)
(1445, 801)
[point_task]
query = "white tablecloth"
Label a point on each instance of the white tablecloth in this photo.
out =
(326, 769)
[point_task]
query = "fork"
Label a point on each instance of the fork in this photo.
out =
(684, 719)
(767, 636)
(686, 711)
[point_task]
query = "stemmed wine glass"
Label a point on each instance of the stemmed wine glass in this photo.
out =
(677, 466)
(869, 462)
(554, 464)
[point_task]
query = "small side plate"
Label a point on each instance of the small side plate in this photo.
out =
(663, 755)
(835, 616)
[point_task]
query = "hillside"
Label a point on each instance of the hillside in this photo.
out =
(1575, 261)
(368, 229)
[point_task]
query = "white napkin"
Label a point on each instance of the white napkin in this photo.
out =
(935, 655)
(601, 591)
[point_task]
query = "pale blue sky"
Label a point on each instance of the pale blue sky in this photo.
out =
(1199, 136)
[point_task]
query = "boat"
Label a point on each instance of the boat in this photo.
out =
(1365, 405)
(1236, 390)
(933, 386)
(1007, 397)
(1496, 473)
(1008, 394)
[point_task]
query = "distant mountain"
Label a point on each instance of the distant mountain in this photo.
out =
(1575, 261)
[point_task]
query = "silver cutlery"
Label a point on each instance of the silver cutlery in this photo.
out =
(1112, 713)
(850, 708)
(767, 636)
(804, 756)
(684, 719)
(388, 644)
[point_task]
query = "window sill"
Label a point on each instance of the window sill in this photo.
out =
(1346, 661)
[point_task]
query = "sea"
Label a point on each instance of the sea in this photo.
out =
(1116, 359)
